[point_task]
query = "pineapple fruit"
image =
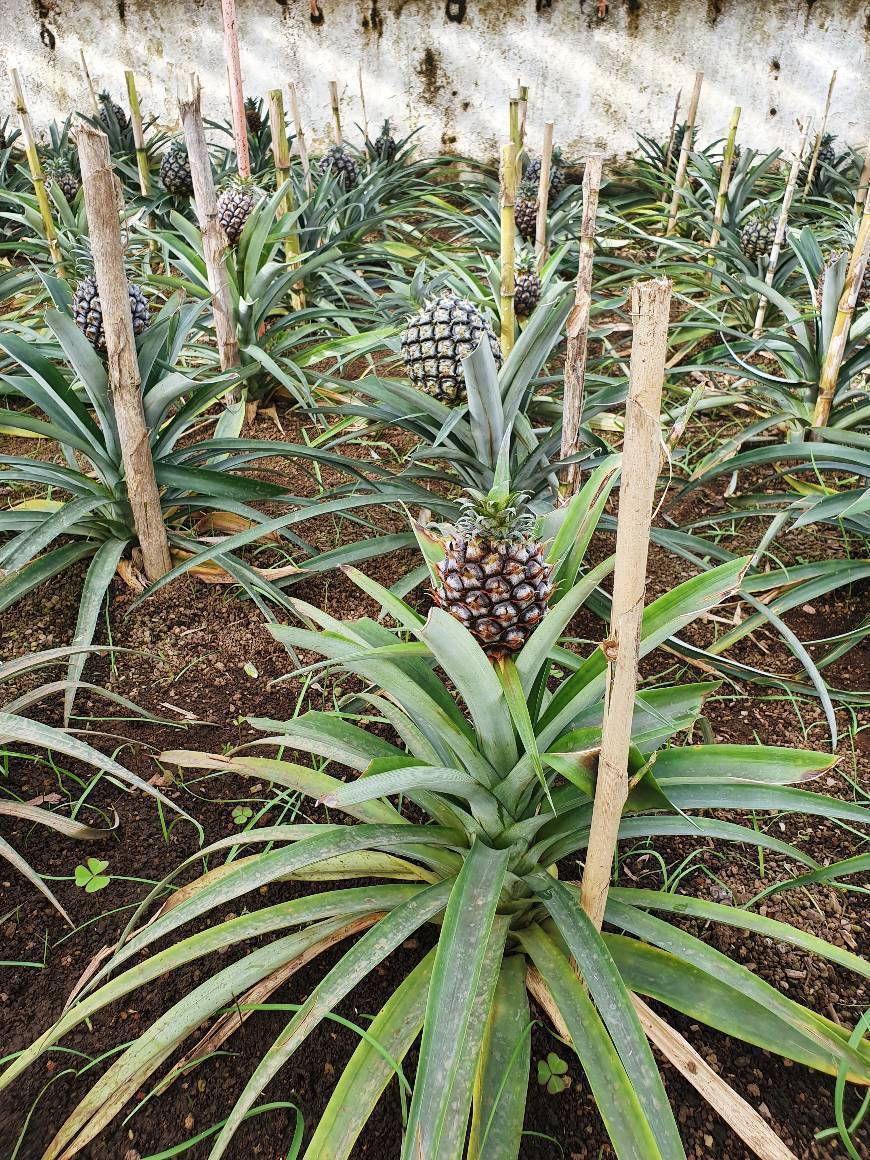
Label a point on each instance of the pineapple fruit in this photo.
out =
(338, 161)
(253, 115)
(235, 205)
(88, 312)
(60, 174)
(494, 576)
(526, 210)
(558, 179)
(435, 342)
(756, 236)
(527, 287)
(109, 109)
(385, 144)
(175, 171)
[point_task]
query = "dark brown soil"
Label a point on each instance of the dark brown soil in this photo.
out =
(202, 659)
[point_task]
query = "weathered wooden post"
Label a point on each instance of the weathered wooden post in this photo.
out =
(683, 163)
(577, 326)
(523, 110)
(781, 225)
(36, 174)
(300, 137)
(861, 193)
(641, 456)
(236, 86)
(814, 159)
(86, 73)
(724, 179)
(138, 134)
(507, 200)
(104, 227)
(673, 133)
(281, 155)
(362, 99)
(336, 112)
(843, 322)
(543, 196)
(214, 241)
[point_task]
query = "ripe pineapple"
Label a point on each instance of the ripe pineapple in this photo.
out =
(385, 144)
(526, 210)
(557, 172)
(757, 235)
(175, 170)
(88, 312)
(435, 342)
(253, 114)
(337, 159)
(107, 104)
(494, 576)
(235, 205)
(527, 287)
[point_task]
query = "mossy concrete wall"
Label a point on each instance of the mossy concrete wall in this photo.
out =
(600, 71)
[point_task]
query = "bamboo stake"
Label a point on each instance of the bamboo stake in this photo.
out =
(236, 86)
(300, 136)
(336, 112)
(814, 159)
(87, 75)
(673, 134)
(843, 322)
(281, 154)
(36, 174)
(138, 134)
(104, 229)
(514, 124)
(577, 325)
(523, 111)
(682, 164)
(781, 225)
(641, 455)
(861, 194)
(507, 199)
(724, 179)
(362, 98)
(543, 196)
(214, 241)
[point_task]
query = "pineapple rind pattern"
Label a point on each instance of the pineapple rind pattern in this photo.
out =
(437, 339)
(88, 312)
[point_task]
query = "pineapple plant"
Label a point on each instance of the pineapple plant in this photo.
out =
(435, 342)
(385, 144)
(88, 312)
(527, 287)
(526, 209)
(495, 579)
(175, 173)
(235, 204)
(253, 114)
(558, 179)
(337, 160)
(756, 236)
(109, 110)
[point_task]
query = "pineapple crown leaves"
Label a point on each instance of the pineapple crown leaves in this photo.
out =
(496, 514)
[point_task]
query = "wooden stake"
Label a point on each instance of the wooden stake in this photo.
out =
(236, 86)
(281, 154)
(87, 75)
(543, 196)
(814, 160)
(523, 111)
(514, 124)
(781, 224)
(577, 325)
(336, 112)
(682, 164)
(36, 174)
(843, 322)
(214, 241)
(300, 137)
(673, 134)
(362, 98)
(724, 178)
(641, 456)
(138, 134)
(507, 199)
(104, 229)
(861, 194)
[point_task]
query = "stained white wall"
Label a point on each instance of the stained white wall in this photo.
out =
(599, 79)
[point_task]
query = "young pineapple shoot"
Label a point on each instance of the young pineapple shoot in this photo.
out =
(435, 342)
(494, 576)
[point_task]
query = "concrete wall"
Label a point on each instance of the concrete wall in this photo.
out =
(449, 65)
